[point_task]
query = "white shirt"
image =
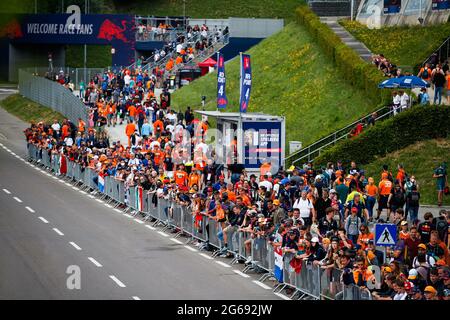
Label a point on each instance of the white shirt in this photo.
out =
(56, 127)
(396, 99)
(266, 184)
(127, 79)
(179, 47)
(404, 100)
(304, 206)
(400, 296)
(172, 117)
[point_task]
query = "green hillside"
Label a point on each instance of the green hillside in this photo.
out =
(406, 46)
(419, 160)
(291, 77)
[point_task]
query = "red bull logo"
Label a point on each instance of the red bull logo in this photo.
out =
(109, 30)
(12, 30)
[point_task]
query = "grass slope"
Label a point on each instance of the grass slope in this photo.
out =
(419, 160)
(291, 77)
(406, 46)
(28, 110)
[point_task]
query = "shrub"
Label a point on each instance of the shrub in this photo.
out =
(417, 124)
(351, 67)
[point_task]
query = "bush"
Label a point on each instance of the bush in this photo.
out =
(417, 124)
(351, 67)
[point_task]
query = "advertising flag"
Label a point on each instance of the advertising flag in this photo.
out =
(246, 82)
(440, 4)
(392, 6)
(221, 80)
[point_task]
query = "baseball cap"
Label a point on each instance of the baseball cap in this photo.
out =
(315, 239)
(412, 274)
(276, 202)
(354, 209)
(430, 289)
(404, 223)
(326, 241)
(387, 269)
(440, 262)
(422, 246)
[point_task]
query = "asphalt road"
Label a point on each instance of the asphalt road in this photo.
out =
(47, 226)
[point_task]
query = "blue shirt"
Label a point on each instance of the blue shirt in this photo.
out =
(146, 129)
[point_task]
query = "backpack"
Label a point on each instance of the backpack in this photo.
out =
(442, 228)
(425, 73)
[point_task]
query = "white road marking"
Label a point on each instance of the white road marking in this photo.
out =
(91, 196)
(58, 232)
(223, 264)
(176, 240)
(163, 234)
(43, 219)
(81, 191)
(204, 255)
(150, 227)
(117, 210)
(138, 221)
(262, 285)
(17, 199)
(7, 191)
(119, 283)
(98, 200)
(136, 298)
(190, 248)
(127, 215)
(75, 245)
(29, 209)
(55, 178)
(282, 296)
(95, 262)
(74, 188)
(108, 205)
(241, 273)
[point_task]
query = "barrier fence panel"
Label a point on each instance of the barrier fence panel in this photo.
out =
(187, 222)
(288, 271)
(330, 283)
(199, 227)
(213, 229)
(308, 279)
(132, 197)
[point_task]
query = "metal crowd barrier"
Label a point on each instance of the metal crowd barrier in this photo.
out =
(311, 280)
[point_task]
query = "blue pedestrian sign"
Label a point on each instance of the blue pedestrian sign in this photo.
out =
(385, 234)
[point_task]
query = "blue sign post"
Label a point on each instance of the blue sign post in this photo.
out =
(385, 234)
(246, 82)
(221, 81)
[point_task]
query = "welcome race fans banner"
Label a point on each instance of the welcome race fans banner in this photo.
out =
(221, 80)
(392, 6)
(440, 4)
(246, 82)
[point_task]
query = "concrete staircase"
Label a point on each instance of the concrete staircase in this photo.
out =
(347, 38)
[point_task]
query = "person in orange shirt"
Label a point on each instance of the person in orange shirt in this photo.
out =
(111, 114)
(158, 126)
(64, 130)
(158, 156)
(181, 176)
(179, 60)
(371, 192)
(81, 126)
(243, 193)
(129, 130)
(230, 192)
(132, 112)
(195, 179)
(401, 175)
(384, 190)
(447, 81)
(364, 236)
(169, 64)
(404, 232)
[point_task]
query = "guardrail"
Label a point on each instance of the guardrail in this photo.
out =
(313, 150)
(442, 52)
(53, 95)
(310, 281)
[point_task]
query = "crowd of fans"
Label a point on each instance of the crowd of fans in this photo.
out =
(323, 216)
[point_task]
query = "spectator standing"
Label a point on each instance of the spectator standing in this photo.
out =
(440, 174)
(438, 79)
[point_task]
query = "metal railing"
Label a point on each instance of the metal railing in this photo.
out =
(53, 95)
(443, 53)
(313, 150)
(310, 281)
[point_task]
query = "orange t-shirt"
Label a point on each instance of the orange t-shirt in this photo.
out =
(158, 123)
(371, 190)
(385, 187)
(65, 130)
(363, 240)
(180, 178)
(179, 60)
(194, 179)
(130, 129)
(132, 111)
(401, 176)
(81, 126)
(158, 156)
(447, 78)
